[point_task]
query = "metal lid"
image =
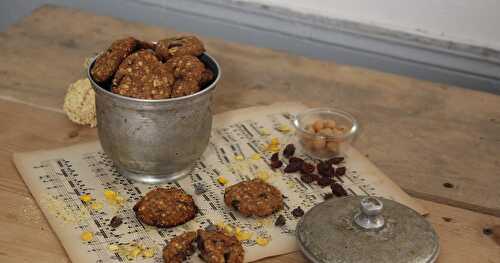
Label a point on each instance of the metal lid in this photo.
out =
(366, 229)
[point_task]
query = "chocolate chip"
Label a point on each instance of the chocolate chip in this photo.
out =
(447, 219)
(338, 190)
(336, 160)
(298, 212)
(448, 185)
(307, 178)
(280, 221)
(307, 168)
(487, 231)
(340, 171)
(276, 164)
(328, 196)
(289, 151)
(275, 157)
(324, 181)
(115, 222)
(293, 167)
(325, 169)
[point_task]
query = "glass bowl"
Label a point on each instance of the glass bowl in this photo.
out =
(324, 133)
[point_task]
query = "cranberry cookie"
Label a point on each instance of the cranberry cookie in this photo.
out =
(217, 247)
(254, 198)
(180, 247)
(186, 67)
(106, 64)
(141, 75)
(165, 207)
(178, 46)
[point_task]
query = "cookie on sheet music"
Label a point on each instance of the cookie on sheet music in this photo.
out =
(217, 247)
(165, 207)
(254, 198)
(180, 247)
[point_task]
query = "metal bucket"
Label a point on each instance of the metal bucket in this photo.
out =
(155, 141)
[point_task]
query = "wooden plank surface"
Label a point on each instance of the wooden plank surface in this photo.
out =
(25, 234)
(419, 133)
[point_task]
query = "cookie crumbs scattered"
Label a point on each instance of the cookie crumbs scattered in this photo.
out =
(256, 157)
(262, 241)
(86, 198)
(222, 180)
(283, 128)
(96, 205)
(262, 175)
(87, 236)
(239, 158)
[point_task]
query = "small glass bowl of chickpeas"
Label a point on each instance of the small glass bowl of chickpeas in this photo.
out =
(325, 132)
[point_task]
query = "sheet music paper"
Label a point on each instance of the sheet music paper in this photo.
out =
(57, 178)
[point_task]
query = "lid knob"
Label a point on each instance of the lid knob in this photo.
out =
(370, 216)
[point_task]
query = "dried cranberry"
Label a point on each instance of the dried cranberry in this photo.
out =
(298, 212)
(336, 160)
(280, 221)
(340, 171)
(324, 181)
(307, 168)
(276, 164)
(293, 167)
(289, 151)
(307, 178)
(338, 190)
(325, 169)
(296, 160)
(275, 157)
(115, 222)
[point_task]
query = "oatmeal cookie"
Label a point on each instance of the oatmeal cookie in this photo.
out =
(180, 247)
(217, 247)
(165, 207)
(141, 75)
(107, 63)
(178, 46)
(254, 197)
(186, 67)
(184, 87)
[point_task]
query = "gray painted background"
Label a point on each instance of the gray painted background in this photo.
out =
(345, 42)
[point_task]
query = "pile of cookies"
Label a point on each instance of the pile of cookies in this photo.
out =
(144, 70)
(169, 207)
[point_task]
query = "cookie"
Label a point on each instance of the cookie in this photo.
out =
(217, 247)
(141, 75)
(107, 63)
(179, 46)
(165, 207)
(254, 198)
(180, 247)
(186, 67)
(206, 77)
(184, 87)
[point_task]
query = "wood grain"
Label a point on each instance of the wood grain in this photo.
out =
(25, 234)
(420, 134)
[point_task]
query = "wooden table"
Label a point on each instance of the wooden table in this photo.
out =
(420, 134)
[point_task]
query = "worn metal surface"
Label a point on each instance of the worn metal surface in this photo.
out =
(155, 141)
(327, 233)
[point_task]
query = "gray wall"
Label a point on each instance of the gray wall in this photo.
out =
(344, 42)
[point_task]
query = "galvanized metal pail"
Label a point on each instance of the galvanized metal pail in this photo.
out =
(155, 141)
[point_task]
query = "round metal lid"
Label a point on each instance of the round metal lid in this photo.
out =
(366, 229)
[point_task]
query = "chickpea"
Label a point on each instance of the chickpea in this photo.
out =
(330, 124)
(318, 125)
(318, 144)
